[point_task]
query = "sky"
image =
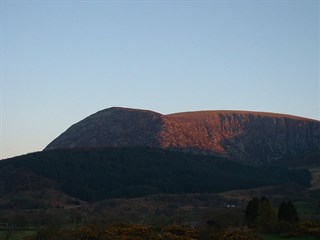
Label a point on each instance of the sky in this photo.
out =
(64, 60)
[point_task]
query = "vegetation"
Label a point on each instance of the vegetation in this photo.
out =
(145, 193)
(260, 214)
(307, 208)
(144, 232)
(252, 212)
(288, 213)
(94, 175)
(305, 231)
(199, 222)
(277, 237)
(266, 217)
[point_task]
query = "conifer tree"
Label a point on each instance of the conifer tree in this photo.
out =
(266, 217)
(260, 213)
(252, 212)
(288, 213)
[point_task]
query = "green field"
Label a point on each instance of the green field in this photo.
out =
(315, 175)
(16, 235)
(306, 208)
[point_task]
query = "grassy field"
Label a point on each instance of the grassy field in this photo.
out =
(306, 208)
(276, 237)
(315, 173)
(15, 235)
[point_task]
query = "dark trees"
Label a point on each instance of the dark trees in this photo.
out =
(266, 217)
(288, 213)
(260, 213)
(252, 212)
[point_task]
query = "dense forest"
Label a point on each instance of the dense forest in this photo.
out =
(98, 174)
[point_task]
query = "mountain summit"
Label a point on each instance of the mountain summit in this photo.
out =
(250, 137)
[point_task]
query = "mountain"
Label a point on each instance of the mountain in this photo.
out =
(249, 137)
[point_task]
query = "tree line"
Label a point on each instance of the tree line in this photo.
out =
(261, 214)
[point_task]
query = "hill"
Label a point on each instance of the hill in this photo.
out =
(249, 137)
(94, 175)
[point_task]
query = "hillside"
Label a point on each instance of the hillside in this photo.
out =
(249, 137)
(94, 175)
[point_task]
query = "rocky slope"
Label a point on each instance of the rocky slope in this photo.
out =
(250, 137)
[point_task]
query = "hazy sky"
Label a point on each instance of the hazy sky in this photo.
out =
(64, 60)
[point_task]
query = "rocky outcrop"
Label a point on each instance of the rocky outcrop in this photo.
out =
(250, 137)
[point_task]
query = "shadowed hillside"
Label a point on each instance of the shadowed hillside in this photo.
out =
(98, 174)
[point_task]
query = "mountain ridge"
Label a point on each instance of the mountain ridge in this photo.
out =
(268, 114)
(251, 137)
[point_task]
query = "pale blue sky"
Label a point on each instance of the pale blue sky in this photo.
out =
(64, 60)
